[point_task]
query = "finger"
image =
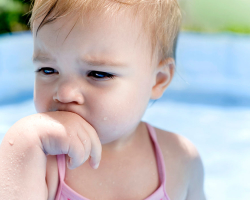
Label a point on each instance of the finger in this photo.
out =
(96, 147)
(76, 152)
(85, 140)
(95, 153)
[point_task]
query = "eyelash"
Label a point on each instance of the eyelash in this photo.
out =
(110, 76)
(46, 68)
(91, 73)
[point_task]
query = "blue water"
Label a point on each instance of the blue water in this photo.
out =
(208, 102)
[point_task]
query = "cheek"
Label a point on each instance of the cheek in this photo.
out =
(124, 105)
(42, 97)
(119, 114)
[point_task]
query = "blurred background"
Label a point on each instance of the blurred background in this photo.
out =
(208, 101)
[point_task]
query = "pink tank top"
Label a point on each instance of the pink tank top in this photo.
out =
(64, 192)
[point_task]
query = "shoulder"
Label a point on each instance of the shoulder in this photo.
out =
(178, 146)
(181, 156)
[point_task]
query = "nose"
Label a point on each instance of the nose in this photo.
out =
(69, 91)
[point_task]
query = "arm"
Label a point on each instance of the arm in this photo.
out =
(22, 157)
(23, 165)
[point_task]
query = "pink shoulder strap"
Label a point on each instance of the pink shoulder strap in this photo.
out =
(61, 165)
(159, 157)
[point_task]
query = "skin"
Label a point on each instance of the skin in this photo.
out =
(113, 107)
(89, 116)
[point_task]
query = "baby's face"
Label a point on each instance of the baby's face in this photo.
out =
(77, 61)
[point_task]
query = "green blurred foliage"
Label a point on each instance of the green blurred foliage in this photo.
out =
(198, 15)
(13, 15)
(216, 15)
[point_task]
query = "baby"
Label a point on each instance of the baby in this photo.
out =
(97, 64)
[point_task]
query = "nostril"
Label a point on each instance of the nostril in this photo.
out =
(72, 97)
(55, 99)
(79, 99)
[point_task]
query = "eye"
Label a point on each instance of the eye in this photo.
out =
(47, 70)
(100, 75)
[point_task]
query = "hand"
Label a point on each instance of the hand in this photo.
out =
(62, 132)
(68, 133)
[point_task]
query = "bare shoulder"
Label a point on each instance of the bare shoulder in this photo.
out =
(176, 144)
(52, 177)
(183, 162)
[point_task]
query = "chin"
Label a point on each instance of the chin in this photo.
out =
(106, 140)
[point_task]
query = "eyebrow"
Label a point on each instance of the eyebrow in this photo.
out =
(90, 60)
(100, 61)
(43, 59)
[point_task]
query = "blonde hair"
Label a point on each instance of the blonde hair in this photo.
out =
(161, 17)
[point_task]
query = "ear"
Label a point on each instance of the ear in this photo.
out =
(164, 73)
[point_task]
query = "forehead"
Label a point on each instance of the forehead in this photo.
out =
(93, 33)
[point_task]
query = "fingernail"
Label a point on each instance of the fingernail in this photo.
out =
(93, 164)
(96, 165)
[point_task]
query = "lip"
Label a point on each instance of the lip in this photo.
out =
(68, 110)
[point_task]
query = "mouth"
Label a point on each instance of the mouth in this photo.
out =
(64, 110)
